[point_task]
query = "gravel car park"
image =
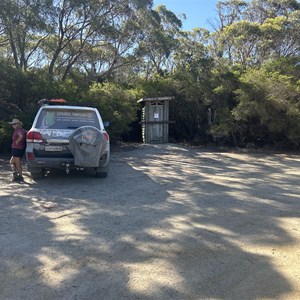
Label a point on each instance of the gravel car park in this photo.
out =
(170, 222)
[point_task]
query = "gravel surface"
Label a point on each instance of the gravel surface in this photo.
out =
(169, 222)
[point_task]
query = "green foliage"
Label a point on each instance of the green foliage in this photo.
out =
(224, 128)
(239, 84)
(116, 104)
(269, 103)
(5, 137)
(158, 86)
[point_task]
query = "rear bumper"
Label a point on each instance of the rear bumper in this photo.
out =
(34, 162)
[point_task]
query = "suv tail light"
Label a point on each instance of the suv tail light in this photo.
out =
(106, 136)
(34, 137)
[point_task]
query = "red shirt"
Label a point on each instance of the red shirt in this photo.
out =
(22, 143)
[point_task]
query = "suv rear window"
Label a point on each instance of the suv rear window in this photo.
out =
(66, 119)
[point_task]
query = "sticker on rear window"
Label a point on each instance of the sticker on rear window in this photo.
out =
(60, 119)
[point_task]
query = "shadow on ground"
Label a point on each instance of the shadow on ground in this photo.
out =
(168, 223)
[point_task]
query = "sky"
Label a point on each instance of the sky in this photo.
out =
(198, 12)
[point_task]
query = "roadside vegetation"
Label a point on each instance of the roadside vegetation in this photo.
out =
(236, 85)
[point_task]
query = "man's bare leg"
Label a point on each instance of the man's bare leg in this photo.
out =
(16, 166)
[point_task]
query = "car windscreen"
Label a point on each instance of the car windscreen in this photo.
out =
(66, 119)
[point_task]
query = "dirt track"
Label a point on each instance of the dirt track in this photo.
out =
(168, 223)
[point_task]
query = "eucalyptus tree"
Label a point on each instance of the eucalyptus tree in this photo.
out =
(158, 42)
(261, 10)
(192, 75)
(113, 55)
(280, 37)
(58, 34)
(193, 65)
(263, 29)
(228, 12)
(23, 28)
(231, 11)
(192, 50)
(83, 28)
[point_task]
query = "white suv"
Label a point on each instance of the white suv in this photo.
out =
(67, 137)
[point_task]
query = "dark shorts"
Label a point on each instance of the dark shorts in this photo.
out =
(17, 152)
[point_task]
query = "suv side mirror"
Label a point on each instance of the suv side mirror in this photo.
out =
(106, 124)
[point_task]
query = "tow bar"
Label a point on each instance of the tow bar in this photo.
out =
(68, 168)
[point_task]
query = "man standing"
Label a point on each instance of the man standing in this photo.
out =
(18, 149)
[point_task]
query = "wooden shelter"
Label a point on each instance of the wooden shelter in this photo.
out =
(155, 119)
